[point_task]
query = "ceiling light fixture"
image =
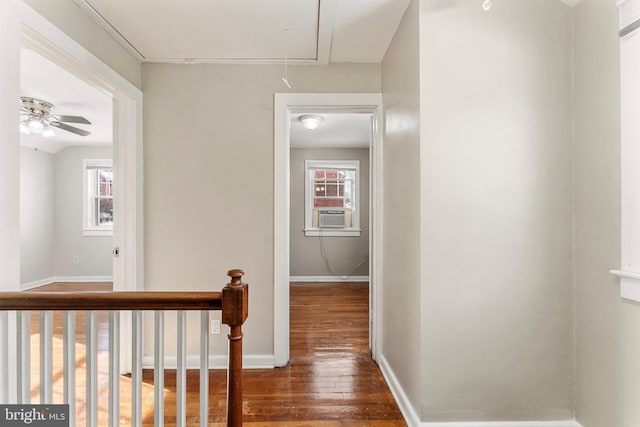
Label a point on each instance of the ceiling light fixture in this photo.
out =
(36, 126)
(36, 118)
(24, 128)
(48, 132)
(310, 121)
(486, 5)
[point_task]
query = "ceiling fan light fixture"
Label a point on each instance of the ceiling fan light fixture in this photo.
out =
(36, 126)
(24, 128)
(48, 132)
(311, 121)
(36, 118)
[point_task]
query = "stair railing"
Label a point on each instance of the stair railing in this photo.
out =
(15, 335)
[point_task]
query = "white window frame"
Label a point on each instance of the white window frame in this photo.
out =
(629, 272)
(309, 229)
(88, 227)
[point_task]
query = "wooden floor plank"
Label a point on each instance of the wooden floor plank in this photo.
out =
(331, 380)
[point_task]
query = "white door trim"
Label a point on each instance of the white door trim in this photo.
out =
(128, 268)
(285, 104)
(50, 42)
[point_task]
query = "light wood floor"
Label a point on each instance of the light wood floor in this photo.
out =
(331, 380)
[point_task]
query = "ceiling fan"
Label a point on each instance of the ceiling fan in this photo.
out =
(36, 117)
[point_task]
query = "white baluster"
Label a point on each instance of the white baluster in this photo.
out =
(69, 363)
(114, 368)
(204, 368)
(181, 371)
(92, 368)
(136, 370)
(4, 357)
(158, 369)
(46, 357)
(24, 356)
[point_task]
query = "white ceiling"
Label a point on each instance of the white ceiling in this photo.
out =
(337, 130)
(317, 31)
(42, 79)
(222, 31)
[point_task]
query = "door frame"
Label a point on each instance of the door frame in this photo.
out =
(40, 35)
(46, 39)
(284, 105)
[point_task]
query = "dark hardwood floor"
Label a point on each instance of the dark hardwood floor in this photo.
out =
(331, 380)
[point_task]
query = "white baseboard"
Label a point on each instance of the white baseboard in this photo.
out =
(406, 408)
(413, 420)
(70, 279)
(35, 284)
(566, 423)
(310, 279)
(215, 362)
(83, 279)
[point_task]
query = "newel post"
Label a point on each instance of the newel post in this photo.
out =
(235, 308)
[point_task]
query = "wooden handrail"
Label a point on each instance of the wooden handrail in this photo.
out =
(233, 301)
(110, 301)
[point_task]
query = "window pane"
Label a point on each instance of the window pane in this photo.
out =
(328, 203)
(332, 189)
(105, 182)
(104, 211)
(319, 174)
(347, 188)
(320, 189)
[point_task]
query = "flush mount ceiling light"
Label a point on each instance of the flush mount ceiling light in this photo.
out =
(486, 5)
(311, 121)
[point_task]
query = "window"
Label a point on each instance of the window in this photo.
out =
(331, 197)
(97, 198)
(629, 271)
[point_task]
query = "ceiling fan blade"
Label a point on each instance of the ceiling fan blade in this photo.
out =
(71, 129)
(70, 119)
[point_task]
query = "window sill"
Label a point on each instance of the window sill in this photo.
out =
(629, 284)
(97, 233)
(332, 232)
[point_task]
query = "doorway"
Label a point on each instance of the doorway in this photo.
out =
(287, 105)
(66, 176)
(45, 39)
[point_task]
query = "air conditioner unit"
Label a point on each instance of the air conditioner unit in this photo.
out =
(333, 218)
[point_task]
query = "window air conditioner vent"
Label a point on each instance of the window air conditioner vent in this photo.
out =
(332, 219)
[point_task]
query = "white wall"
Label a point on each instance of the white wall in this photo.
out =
(344, 253)
(9, 148)
(51, 196)
(36, 215)
(607, 339)
(496, 211)
(94, 252)
(208, 154)
(70, 18)
(401, 336)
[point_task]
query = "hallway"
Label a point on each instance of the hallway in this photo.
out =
(331, 380)
(331, 377)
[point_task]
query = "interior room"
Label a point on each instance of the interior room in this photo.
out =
(56, 243)
(503, 265)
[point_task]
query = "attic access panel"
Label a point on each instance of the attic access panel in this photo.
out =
(213, 30)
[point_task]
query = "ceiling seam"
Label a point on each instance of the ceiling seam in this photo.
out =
(115, 30)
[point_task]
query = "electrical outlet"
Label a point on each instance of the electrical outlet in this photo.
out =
(215, 327)
(76, 260)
